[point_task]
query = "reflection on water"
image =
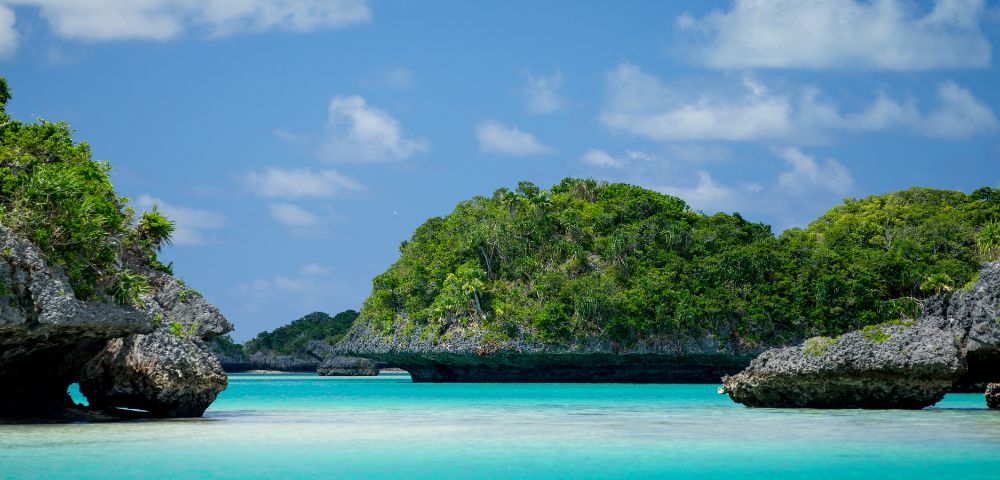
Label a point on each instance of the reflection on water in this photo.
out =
(386, 427)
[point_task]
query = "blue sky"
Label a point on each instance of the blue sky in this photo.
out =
(297, 142)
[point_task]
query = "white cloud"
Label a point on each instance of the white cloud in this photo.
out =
(398, 77)
(167, 19)
(495, 137)
(8, 35)
(640, 104)
(705, 195)
(960, 115)
(542, 93)
(884, 34)
(314, 269)
(600, 158)
(189, 223)
(293, 216)
(357, 132)
(807, 175)
(276, 182)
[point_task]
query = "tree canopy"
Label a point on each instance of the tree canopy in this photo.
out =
(294, 338)
(617, 261)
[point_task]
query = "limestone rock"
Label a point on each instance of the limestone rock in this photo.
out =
(173, 302)
(348, 366)
(470, 354)
(993, 395)
(907, 364)
(170, 372)
(46, 333)
(162, 373)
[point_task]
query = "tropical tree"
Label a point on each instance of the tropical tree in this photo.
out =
(937, 283)
(989, 241)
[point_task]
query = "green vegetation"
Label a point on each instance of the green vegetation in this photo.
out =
(817, 346)
(294, 338)
(179, 330)
(622, 262)
(879, 334)
(54, 194)
(989, 241)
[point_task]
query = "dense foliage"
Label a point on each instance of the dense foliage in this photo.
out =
(622, 262)
(53, 193)
(294, 338)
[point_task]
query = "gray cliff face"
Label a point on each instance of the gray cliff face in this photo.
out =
(45, 332)
(908, 365)
(170, 372)
(348, 366)
(467, 354)
(49, 339)
(993, 395)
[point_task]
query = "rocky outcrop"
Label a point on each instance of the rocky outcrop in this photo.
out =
(161, 373)
(281, 362)
(235, 362)
(46, 333)
(467, 354)
(170, 372)
(231, 361)
(993, 395)
(906, 364)
(348, 367)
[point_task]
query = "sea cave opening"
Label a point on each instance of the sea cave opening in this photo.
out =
(78, 397)
(983, 368)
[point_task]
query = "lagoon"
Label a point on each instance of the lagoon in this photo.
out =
(306, 426)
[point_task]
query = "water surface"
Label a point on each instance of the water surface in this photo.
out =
(304, 426)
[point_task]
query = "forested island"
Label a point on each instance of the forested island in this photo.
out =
(300, 346)
(589, 281)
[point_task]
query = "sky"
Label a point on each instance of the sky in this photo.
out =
(296, 143)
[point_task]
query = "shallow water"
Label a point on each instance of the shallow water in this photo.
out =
(304, 426)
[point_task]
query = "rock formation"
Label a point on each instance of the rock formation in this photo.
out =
(238, 361)
(993, 395)
(46, 333)
(170, 372)
(348, 366)
(904, 364)
(151, 358)
(162, 373)
(466, 354)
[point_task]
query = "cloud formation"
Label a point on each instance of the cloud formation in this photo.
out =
(802, 186)
(108, 20)
(642, 105)
(495, 137)
(600, 158)
(189, 223)
(357, 132)
(705, 195)
(9, 39)
(541, 94)
(274, 182)
(293, 216)
(849, 34)
(805, 174)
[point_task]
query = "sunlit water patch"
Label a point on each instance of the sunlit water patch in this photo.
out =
(304, 426)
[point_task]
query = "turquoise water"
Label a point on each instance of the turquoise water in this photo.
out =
(304, 426)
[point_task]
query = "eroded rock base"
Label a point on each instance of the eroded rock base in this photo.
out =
(565, 367)
(160, 373)
(348, 366)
